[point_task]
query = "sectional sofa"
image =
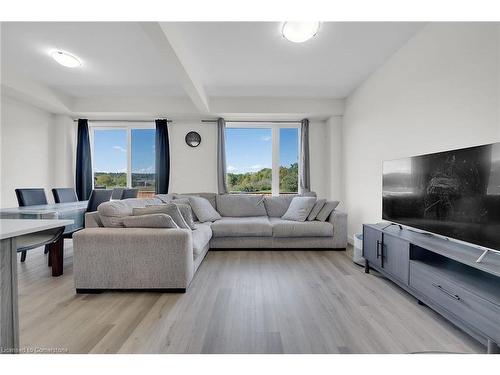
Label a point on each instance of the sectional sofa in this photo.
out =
(166, 259)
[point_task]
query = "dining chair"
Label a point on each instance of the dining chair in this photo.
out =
(130, 193)
(97, 197)
(32, 197)
(64, 195)
(117, 193)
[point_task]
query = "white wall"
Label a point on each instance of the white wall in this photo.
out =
(334, 173)
(193, 170)
(440, 91)
(33, 150)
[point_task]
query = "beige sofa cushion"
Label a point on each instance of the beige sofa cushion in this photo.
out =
(316, 209)
(287, 228)
(299, 209)
(242, 227)
(208, 196)
(277, 206)
(180, 213)
(112, 213)
(201, 237)
(149, 221)
(327, 210)
(203, 210)
(241, 205)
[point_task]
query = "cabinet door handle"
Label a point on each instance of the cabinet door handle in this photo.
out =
(449, 294)
(378, 248)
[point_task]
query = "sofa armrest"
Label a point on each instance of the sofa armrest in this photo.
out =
(339, 221)
(132, 258)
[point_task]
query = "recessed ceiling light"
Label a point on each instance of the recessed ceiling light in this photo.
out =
(299, 32)
(66, 59)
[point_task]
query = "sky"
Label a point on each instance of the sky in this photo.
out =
(250, 150)
(247, 149)
(110, 150)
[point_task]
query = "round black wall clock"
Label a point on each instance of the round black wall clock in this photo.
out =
(193, 139)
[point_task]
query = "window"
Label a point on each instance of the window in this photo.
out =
(262, 158)
(124, 156)
(110, 158)
(289, 160)
(143, 159)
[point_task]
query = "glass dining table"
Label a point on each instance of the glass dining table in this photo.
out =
(74, 211)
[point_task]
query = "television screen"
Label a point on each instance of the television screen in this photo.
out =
(455, 194)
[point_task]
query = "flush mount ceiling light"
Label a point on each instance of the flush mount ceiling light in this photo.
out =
(299, 32)
(66, 59)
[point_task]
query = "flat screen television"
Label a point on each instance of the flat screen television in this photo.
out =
(455, 194)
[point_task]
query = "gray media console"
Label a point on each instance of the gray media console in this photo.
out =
(441, 274)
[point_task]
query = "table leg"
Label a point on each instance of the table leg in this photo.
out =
(57, 256)
(9, 323)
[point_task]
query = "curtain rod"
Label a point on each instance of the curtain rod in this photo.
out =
(121, 120)
(260, 121)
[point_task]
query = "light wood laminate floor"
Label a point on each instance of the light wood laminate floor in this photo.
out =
(238, 302)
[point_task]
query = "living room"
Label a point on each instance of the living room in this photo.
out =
(250, 187)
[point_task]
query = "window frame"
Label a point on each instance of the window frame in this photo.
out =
(128, 127)
(275, 138)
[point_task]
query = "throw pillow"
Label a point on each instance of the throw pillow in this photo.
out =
(149, 221)
(327, 210)
(203, 210)
(170, 209)
(185, 201)
(316, 209)
(299, 209)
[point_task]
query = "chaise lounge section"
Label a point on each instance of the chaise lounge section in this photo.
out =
(166, 259)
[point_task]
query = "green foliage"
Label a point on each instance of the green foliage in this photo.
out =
(110, 180)
(254, 182)
(143, 181)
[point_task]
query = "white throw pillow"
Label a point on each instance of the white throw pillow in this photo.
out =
(327, 210)
(203, 210)
(299, 209)
(316, 209)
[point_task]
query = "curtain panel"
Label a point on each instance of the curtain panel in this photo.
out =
(162, 157)
(305, 171)
(221, 156)
(83, 182)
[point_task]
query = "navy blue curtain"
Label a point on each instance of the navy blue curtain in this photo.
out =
(83, 162)
(162, 149)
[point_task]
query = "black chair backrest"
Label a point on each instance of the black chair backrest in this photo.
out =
(64, 195)
(117, 193)
(31, 197)
(97, 197)
(130, 193)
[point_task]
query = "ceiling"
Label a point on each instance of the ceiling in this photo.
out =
(229, 59)
(253, 59)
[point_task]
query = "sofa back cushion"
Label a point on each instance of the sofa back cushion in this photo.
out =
(277, 206)
(165, 198)
(241, 205)
(208, 196)
(112, 213)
